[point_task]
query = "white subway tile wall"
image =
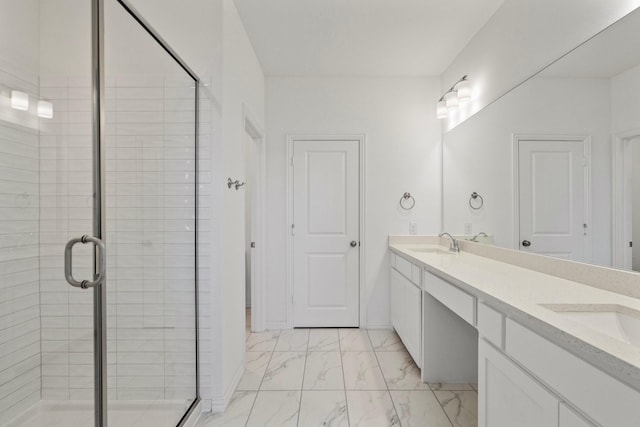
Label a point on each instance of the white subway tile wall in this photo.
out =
(150, 219)
(19, 270)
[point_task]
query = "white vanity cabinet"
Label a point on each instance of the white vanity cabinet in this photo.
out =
(509, 397)
(406, 305)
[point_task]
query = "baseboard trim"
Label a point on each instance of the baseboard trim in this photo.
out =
(219, 404)
(378, 325)
(276, 326)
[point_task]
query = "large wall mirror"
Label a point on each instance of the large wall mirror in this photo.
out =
(557, 159)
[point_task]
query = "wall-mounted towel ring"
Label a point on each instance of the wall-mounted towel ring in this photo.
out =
(473, 201)
(407, 202)
(231, 183)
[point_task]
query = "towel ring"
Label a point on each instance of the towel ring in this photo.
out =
(476, 196)
(412, 201)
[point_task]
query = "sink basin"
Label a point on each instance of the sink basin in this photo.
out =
(616, 321)
(431, 250)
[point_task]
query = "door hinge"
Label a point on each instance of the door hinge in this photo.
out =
(292, 162)
(253, 244)
(293, 229)
(584, 162)
(630, 244)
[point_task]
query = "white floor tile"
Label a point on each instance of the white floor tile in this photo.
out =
(451, 387)
(262, 341)
(419, 409)
(293, 340)
(385, 340)
(400, 372)
(237, 412)
(460, 406)
(371, 409)
(324, 340)
(284, 372)
(323, 371)
(256, 365)
(275, 409)
(354, 340)
(323, 409)
(361, 371)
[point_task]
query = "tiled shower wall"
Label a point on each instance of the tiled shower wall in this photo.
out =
(150, 225)
(19, 201)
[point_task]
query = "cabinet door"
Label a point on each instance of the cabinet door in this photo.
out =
(396, 293)
(413, 321)
(509, 397)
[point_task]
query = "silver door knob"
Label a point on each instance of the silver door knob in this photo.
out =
(526, 243)
(353, 243)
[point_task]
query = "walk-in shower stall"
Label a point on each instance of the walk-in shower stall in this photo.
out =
(98, 218)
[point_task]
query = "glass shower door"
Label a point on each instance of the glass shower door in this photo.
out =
(150, 199)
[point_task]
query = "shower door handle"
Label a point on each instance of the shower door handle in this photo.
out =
(101, 260)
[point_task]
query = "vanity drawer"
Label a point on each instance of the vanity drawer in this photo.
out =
(451, 296)
(407, 269)
(491, 325)
(603, 398)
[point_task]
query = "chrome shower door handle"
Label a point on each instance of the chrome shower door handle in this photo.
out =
(101, 260)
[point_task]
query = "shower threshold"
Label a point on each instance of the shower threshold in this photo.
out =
(72, 413)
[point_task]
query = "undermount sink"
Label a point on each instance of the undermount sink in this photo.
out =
(616, 321)
(431, 250)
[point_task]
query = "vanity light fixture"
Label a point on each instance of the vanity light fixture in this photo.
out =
(19, 100)
(459, 93)
(45, 109)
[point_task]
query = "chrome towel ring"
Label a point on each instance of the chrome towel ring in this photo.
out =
(478, 204)
(407, 202)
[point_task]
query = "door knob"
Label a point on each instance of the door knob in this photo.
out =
(353, 243)
(526, 243)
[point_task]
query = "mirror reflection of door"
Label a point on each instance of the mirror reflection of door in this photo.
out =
(552, 188)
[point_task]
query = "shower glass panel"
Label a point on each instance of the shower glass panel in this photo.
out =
(47, 197)
(150, 222)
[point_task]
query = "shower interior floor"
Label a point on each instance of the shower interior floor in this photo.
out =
(160, 413)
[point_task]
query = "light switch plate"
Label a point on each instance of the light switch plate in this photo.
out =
(413, 228)
(468, 228)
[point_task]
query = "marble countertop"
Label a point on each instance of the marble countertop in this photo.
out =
(520, 293)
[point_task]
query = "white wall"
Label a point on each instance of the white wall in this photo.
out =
(478, 154)
(635, 203)
(625, 102)
(403, 140)
(523, 37)
(243, 87)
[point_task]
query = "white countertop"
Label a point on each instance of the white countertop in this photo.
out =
(518, 292)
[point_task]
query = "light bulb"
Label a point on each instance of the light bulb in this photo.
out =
(441, 110)
(451, 100)
(464, 91)
(19, 100)
(45, 109)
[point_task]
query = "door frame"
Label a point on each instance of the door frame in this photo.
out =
(621, 221)
(361, 139)
(515, 150)
(258, 295)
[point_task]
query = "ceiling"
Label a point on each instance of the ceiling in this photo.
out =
(361, 37)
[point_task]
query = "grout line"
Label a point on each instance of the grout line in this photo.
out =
(306, 355)
(344, 381)
(393, 404)
(263, 375)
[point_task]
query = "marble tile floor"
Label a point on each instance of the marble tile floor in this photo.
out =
(336, 378)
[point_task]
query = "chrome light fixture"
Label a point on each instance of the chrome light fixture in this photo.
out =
(459, 93)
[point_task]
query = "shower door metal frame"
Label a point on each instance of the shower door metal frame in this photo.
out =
(99, 291)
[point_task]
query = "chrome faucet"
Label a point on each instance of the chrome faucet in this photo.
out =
(453, 246)
(477, 236)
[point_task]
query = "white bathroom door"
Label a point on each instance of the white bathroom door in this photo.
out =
(326, 228)
(552, 198)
